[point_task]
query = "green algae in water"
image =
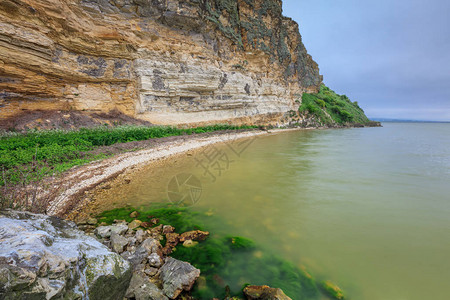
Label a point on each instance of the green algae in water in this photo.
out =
(180, 218)
(332, 290)
(227, 263)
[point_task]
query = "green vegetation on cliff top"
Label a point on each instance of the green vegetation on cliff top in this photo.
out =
(330, 108)
(227, 263)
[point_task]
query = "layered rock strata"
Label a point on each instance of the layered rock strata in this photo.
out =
(163, 61)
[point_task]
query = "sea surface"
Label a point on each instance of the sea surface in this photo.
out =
(367, 208)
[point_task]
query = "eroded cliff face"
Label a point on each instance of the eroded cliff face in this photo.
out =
(168, 62)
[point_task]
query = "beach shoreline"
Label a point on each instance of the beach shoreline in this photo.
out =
(70, 202)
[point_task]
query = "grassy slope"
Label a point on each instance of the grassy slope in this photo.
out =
(36, 154)
(330, 108)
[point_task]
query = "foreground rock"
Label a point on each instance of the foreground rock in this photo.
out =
(177, 276)
(264, 292)
(141, 288)
(155, 276)
(44, 257)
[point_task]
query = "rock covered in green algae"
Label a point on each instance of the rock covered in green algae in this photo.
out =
(45, 257)
(264, 292)
(333, 290)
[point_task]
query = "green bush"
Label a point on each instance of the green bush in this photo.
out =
(321, 103)
(330, 108)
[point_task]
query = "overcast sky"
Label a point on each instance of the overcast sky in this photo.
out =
(392, 56)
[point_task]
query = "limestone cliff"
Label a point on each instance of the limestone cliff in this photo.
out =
(163, 61)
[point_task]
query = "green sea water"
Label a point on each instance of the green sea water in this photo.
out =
(366, 208)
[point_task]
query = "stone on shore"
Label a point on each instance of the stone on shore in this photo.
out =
(118, 243)
(154, 260)
(177, 276)
(140, 235)
(143, 251)
(141, 288)
(103, 232)
(119, 229)
(43, 257)
(134, 224)
(107, 231)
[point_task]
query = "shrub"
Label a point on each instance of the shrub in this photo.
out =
(321, 103)
(331, 108)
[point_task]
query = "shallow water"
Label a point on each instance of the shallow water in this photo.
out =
(367, 208)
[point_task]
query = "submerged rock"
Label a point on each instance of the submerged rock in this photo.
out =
(264, 292)
(43, 257)
(134, 214)
(333, 290)
(195, 235)
(168, 229)
(190, 243)
(172, 240)
(177, 276)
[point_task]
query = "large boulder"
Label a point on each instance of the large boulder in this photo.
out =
(44, 257)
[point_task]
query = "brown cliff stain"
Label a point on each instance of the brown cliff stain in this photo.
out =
(67, 119)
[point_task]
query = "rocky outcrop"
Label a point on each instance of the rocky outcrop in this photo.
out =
(155, 276)
(163, 61)
(44, 257)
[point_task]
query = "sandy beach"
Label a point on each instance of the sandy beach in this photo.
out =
(77, 182)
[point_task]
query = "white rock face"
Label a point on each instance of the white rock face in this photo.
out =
(48, 258)
(195, 91)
